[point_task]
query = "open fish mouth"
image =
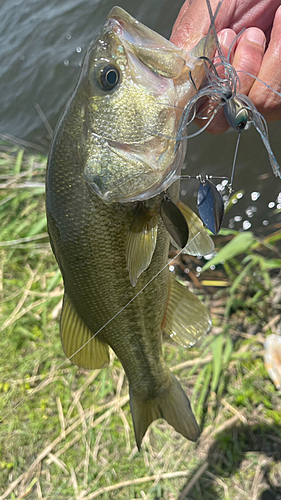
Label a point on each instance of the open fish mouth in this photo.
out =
(160, 55)
(133, 153)
(141, 158)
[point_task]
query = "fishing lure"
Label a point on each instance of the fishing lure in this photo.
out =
(240, 114)
(210, 203)
(174, 221)
(238, 108)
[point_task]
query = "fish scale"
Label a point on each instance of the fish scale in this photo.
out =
(104, 187)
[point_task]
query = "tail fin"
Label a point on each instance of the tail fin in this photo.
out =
(173, 406)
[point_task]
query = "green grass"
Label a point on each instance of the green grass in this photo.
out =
(66, 433)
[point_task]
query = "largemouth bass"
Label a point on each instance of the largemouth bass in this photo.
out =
(113, 154)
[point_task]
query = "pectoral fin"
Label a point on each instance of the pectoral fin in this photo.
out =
(186, 319)
(141, 242)
(74, 334)
(199, 242)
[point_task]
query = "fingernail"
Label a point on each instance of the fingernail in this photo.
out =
(226, 38)
(255, 35)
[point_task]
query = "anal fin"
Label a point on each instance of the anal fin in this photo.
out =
(74, 334)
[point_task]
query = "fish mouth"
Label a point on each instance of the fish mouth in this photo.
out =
(160, 55)
(140, 177)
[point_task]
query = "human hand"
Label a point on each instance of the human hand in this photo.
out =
(258, 50)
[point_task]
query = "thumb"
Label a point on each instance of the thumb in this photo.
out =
(193, 22)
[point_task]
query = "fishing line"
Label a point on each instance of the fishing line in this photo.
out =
(234, 41)
(216, 110)
(259, 80)
(213, 26)
(234, 161)
(106, 324)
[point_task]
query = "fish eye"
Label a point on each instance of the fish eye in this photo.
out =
(242, 125)
(236, 114)
(241, 119)
(109, 77)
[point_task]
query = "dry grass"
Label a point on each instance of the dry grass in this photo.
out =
(67, 433)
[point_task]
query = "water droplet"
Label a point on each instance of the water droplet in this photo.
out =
(183, 192)
(239, 196)
(234, 201)
(250, 211)
(198, 269)
(186, 270)
(231, 225)
(22, 57)
(210, 256)
(271, 204)
(225, 182)
(246, 225)
(279, 206)
(255, 195)
(265, 222)
(278, 198)
(171, 268)
(78, 49)
(212, 267)
(68, 36)
(237, 218)
(66, 62)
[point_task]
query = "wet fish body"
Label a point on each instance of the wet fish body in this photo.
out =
(112, 155)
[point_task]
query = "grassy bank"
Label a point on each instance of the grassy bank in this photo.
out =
(67, 433)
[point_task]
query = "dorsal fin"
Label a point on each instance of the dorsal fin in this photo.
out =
(186, 319)
(141, 242)
(74, 334)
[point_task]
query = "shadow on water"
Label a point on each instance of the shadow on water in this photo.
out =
(251, 452)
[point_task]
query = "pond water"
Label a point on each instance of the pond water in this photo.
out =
(43, 44)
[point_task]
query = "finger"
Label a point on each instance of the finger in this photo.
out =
(181, 16)
(248, 57)
(194, 21)
(246, 61)
(254, 13)
(266, 101)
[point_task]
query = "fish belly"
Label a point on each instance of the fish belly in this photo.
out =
(89, 241)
